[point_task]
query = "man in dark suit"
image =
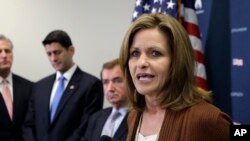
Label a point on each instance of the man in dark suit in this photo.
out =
(115, 92)
(14, 103)
(82, 95)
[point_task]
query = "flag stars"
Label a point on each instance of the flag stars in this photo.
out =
(159, 10)
(146, 7)
(161, 1)
(154, 10)
(135, 14)
(138, 3)
(155, 1)
(170, 4)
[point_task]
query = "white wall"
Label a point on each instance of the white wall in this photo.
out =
(96, 28)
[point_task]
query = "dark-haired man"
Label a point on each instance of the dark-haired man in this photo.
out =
(62, 102)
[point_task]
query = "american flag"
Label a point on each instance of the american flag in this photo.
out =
(184, 11)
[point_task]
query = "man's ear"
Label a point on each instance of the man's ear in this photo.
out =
(72, 49)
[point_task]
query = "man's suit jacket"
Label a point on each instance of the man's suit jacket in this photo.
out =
(82, 97)
(10, 130)
(96, 124)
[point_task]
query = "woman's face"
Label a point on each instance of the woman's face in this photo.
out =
(149, 61)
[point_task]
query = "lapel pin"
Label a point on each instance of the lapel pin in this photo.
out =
(72, 87)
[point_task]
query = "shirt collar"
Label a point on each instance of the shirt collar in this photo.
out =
(122, 110)
(8, 78)
(68, 74)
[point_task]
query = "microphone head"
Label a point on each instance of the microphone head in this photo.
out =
(105, 138)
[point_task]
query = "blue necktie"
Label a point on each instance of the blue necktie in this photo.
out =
(57, 97)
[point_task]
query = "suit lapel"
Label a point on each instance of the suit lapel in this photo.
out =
(45, 99)
(3, 108)
(102, 121)
(122, 128)
(16, 97)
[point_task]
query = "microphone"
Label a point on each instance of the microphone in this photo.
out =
(105, 138)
